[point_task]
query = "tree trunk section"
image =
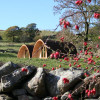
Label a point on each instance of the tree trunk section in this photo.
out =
(86, 34)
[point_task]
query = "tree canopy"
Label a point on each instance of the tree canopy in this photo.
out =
(78, 14)
(24, 34)
(12, 31)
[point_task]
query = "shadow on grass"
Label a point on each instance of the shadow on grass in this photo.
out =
(6, 55)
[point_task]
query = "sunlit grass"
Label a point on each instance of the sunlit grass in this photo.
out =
(7, 56)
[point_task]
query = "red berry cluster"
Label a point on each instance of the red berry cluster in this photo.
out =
(53, 68)
(55, 98)
(99, 37)
(64, 23)
(85, 74)
(91, 61)
(90, 92)
(97, 45)
(44, 65)
(85, 43)
(62, 38)
(79, 2)
(67, 59)
(67, 24)
(70, 97)
(24, 70)
(76, 27)
(55, 55)
(96, 15)
(65, 80)
(76, 58)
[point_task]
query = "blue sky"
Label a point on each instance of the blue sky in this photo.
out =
(23, 12)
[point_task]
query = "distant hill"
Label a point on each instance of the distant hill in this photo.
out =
(2, 30)
(47, 33)
(44, 34)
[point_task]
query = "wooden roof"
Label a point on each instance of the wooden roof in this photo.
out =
(28, 48)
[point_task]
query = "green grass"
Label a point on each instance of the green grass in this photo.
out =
(9, 45)
(7, 56)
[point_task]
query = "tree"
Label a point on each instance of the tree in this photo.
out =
(12, 32)
(31, 26)
(29, 32)
(80, 12)
(32, 31)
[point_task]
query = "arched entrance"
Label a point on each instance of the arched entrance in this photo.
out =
(40, 50)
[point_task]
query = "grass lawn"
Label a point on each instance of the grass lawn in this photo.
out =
(14, 46)
(7, 56)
